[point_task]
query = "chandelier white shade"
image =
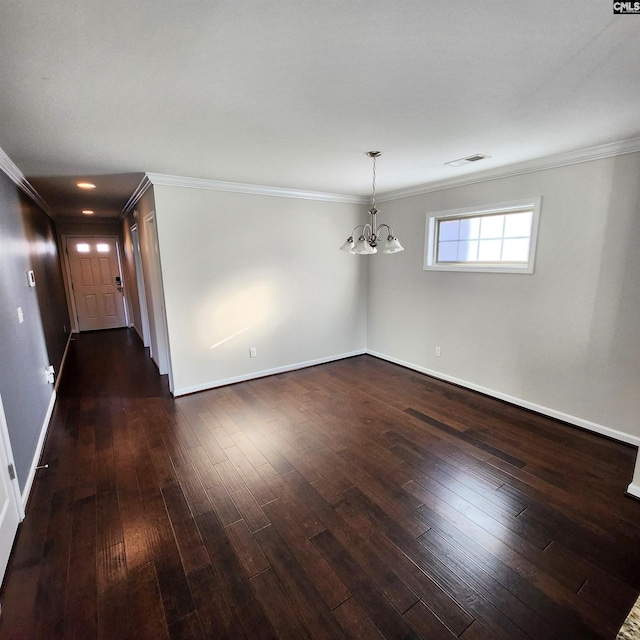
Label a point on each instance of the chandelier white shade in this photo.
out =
(370, 232)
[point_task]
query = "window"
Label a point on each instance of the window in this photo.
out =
(100, 247)
(492, 238)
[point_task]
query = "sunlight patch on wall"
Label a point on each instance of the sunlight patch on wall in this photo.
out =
(233, 335)
(233, 311)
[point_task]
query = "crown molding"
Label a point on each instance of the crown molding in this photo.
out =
(622, 147)
(609, 150)
(139, 191)
(17, 177)
(252, 189)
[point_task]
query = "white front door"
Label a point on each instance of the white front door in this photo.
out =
(97, 282)
(10, 515)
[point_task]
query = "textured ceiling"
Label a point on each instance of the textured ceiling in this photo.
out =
(292, 93)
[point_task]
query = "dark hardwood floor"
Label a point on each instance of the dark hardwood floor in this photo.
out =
(355, 499)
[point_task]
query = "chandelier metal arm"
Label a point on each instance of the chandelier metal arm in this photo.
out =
(360, 226)
(382, 224)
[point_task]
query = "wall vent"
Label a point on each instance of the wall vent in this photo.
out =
(474, 158)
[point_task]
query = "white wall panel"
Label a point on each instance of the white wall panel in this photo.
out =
(564, 339)
(242, 271)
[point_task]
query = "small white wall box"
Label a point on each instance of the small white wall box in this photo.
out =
(31, 278)
(51, 376)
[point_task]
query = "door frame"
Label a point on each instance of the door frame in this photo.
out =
(8, 454)
(73, 315)
(156, 286)
(134, 231)
(14, 513)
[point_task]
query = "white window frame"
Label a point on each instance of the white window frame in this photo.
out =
(431, 240)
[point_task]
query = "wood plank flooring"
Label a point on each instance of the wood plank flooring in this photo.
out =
(355, 499)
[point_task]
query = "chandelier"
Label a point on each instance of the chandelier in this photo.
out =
(370, 232)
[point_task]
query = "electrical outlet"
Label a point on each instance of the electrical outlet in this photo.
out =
(253, 352)
(438, 351)
(20, 315)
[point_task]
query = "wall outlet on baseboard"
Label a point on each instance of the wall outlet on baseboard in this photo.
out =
(438, 351)
(253, 352)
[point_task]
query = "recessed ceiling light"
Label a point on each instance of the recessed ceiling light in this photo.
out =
(474, 158)
(87, 212)
(86, 185)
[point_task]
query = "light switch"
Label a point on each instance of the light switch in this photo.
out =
(20, 315)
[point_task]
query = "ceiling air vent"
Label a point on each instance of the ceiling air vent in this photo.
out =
(467, 160)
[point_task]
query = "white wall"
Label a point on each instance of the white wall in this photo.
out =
(564, 340)
(243, 270)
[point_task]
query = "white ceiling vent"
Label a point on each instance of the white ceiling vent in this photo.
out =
(474, 158)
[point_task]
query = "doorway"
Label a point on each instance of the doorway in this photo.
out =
(96, 282)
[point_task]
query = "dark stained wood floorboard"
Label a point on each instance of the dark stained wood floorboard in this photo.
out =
(356, 499)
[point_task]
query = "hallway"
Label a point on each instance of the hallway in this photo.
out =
(355, 499)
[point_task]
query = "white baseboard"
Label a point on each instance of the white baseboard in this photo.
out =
(552, 413)
(26, 492)
(64, 358)
(634, 490)
(38, 452)
(182, 391)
